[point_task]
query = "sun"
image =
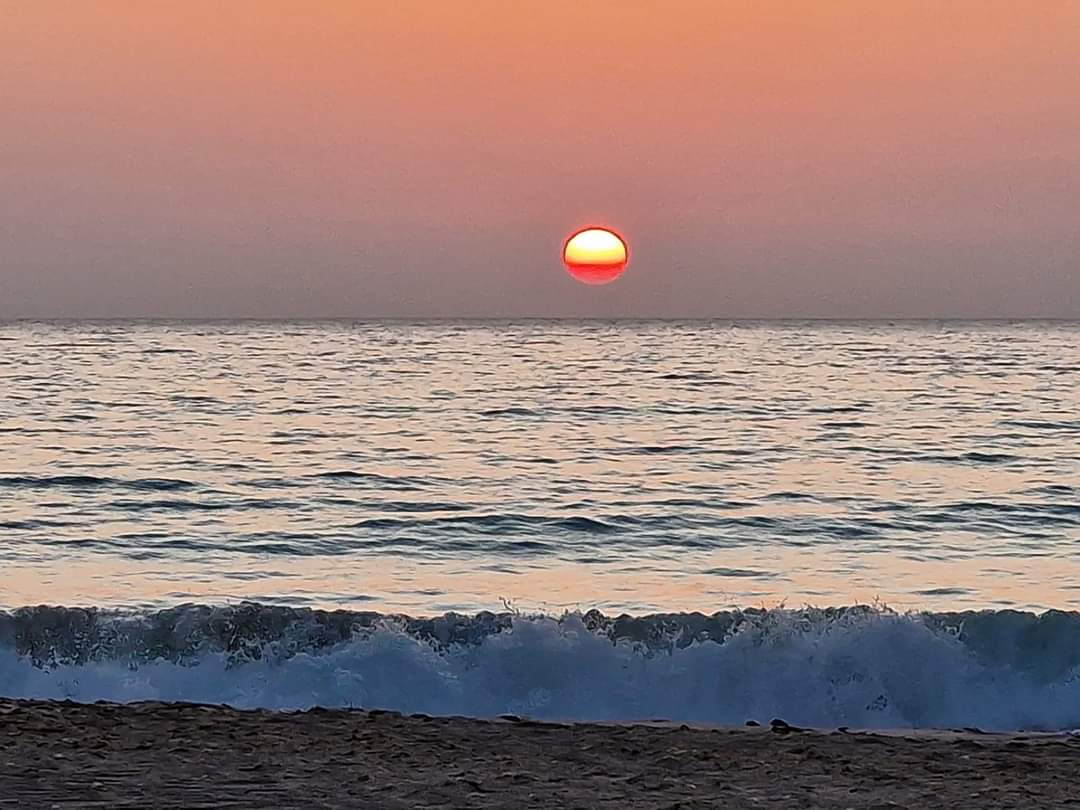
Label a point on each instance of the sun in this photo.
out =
(595, 255)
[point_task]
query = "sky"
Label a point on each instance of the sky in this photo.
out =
(420, 158)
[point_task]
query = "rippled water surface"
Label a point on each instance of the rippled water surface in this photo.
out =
(625, 466)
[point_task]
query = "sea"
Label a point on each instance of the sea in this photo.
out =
(870, 524)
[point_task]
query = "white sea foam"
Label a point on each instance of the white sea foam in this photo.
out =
(861, 669)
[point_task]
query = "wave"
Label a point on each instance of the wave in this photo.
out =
(91, 482)
(856, 666)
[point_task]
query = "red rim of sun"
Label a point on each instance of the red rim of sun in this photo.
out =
(600, 260)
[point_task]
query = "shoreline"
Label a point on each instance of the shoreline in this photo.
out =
(173, 755)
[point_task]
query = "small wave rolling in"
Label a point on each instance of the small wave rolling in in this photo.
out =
(656, 471)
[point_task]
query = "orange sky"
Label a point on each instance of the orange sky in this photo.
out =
(762, 158)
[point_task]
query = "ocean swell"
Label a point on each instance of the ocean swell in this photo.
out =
(856, 666)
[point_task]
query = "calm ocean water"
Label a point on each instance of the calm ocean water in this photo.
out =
(638, 467)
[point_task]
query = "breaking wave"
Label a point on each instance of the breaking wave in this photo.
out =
(856, 666)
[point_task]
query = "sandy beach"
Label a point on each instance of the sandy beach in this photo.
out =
(181, 755)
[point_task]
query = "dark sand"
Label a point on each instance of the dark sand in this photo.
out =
(155, 755)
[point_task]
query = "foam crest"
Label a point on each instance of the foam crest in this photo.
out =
(860, 667)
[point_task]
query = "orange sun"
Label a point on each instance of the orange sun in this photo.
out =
(595, 255)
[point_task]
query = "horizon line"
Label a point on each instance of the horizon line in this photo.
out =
(540, 318)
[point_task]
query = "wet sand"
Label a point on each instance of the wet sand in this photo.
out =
(180, 755)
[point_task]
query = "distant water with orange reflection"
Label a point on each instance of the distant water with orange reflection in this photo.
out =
(624, 466)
